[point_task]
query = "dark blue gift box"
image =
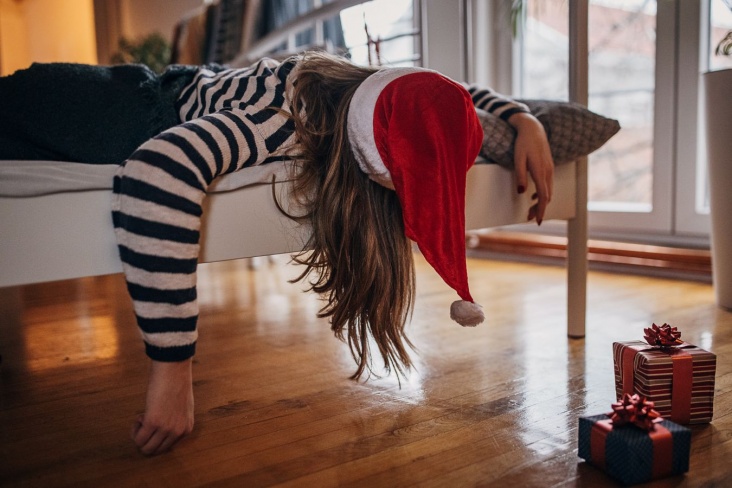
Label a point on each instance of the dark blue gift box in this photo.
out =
(629, 451)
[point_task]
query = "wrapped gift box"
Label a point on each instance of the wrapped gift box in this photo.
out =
(679, 380)
(632, 455)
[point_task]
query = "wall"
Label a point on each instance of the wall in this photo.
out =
(64, 30)
(46, 31)
(135, 19)
(142, 17)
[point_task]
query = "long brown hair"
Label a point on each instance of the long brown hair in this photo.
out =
(358, 256)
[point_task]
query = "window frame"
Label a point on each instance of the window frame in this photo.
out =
(678, 113)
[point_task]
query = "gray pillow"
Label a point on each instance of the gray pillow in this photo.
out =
(572, 130)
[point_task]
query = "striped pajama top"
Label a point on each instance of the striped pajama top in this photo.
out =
(229, 121)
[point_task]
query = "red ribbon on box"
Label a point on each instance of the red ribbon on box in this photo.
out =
(598, 437)
(682, 376)
(661, 437)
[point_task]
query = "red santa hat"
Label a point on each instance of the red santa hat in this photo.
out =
(417, 132)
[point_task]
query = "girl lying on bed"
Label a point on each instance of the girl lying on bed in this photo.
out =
(381, 158)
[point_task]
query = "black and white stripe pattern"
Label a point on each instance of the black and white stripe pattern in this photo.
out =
(230, 122)
(254, 88)
(494, 103)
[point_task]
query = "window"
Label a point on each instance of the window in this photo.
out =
(720, 26)
(622, 41)
(382, 32)
(648, 182)
(714, 22)
(379, 32)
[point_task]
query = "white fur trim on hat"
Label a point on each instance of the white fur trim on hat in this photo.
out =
(467, 314)
(361, 122)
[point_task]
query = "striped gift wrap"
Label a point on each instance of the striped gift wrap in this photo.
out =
(679, 381)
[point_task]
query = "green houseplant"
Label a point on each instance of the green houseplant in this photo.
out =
(152, 50)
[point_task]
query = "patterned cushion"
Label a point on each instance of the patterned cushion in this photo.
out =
(572, 130)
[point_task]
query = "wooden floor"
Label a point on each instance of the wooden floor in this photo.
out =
(491, 406)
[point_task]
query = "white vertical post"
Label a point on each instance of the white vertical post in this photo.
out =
(577, 227)
(444, 38)
(318, 27)
(467, 12)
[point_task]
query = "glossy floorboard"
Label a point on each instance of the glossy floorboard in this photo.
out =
(491, 406)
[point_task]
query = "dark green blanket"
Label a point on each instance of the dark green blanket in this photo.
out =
(87, 114)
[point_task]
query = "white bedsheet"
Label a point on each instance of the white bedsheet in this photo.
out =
(35, 178)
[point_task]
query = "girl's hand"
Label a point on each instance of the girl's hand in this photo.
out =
(532, 155)
(168, 413)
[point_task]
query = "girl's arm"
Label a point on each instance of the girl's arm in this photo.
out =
(168, 413)
(493, 102)
(531, 152)
(532, 155)
(157, 210)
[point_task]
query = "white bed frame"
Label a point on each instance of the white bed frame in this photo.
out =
(70, 235)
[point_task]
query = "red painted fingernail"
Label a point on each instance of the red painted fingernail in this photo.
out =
(521, 189)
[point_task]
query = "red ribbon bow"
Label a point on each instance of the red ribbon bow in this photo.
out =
(664, 336)
(668, 340)
(635, 410)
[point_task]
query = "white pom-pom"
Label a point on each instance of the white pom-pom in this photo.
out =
(467, 314)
